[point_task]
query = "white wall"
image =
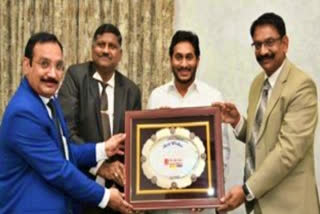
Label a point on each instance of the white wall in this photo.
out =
(227, 59)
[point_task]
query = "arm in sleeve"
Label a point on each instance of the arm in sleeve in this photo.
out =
(240, 131)
(225, 147)
(101, 156)
(30, 138)
(88, 154)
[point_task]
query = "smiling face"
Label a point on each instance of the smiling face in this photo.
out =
(272, 49)
(46, 69)
(106, 51)
(184, 63)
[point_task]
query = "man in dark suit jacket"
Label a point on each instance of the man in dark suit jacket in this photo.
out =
(80, 99)
(38, 165)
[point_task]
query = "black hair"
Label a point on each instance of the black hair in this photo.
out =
(269, 19)
(182, 36)
(41, 37)
(108, 28)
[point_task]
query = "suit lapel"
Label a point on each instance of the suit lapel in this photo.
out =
(276, 92)
(254, 101)
(42, 110)
(53, 128)
(118, 104)
(63, 126)
(94, 93)
(61, 119)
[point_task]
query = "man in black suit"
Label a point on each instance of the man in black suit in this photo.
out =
(94, 98)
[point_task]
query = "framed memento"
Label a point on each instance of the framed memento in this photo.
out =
(173, 158)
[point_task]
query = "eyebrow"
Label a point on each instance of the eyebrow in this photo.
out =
(267, 38)
(46, 58)
(184, 54)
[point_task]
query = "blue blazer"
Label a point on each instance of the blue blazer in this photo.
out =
(35, 177)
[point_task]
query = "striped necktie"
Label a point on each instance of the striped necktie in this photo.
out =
(250, 163)
(250, 157)
(104, 112)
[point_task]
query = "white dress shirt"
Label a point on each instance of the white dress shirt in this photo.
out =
(100, 153)
(110, 94)
(198, 94)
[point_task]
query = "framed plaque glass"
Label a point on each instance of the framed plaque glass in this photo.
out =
(173, 158)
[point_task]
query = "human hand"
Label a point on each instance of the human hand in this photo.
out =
(114, 145)
(233, 199)
(113, 171)
(117, 202)
(196, 210)
(139, 212)
(229, 113)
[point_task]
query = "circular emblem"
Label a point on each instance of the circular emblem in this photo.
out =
(173, 158)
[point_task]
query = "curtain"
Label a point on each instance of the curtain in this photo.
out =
(146, 27)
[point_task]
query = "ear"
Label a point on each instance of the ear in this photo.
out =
(26, 65)
(285, 43)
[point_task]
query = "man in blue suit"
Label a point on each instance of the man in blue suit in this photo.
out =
(38, 164)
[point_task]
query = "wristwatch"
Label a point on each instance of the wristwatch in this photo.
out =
(248, 195)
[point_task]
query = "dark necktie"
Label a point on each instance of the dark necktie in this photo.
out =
(58, 126)
(104, 112)
(57, 123)
(250, 148)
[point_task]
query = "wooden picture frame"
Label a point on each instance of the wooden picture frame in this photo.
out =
(141, 192)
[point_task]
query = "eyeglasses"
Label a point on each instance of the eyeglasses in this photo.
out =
(46, 64)
(269, 43)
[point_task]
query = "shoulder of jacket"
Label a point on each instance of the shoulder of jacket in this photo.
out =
(125, 80)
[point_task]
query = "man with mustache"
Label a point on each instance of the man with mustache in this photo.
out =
(185, 90)
(94, 97)
(38, 164)
(278, 132)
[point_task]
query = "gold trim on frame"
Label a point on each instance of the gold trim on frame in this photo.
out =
(164, 191)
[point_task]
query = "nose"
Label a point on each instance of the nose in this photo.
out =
(184, 62)
(263, 50)
(53, 72)
(106, 49)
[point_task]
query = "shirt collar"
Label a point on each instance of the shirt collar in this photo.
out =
(45, 100)
(193, 86)
(110, 82)
(273, 78)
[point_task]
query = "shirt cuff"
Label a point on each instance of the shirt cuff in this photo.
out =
(238, 127)
(94, 170)
(105, 199)
(101, 152)
(250, 192)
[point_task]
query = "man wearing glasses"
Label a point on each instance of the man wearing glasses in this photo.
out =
(278, 132)
(39, 162)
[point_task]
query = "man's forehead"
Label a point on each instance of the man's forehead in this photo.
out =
(107, 36)
(265, 31)
(48, 50)
(184, 47)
